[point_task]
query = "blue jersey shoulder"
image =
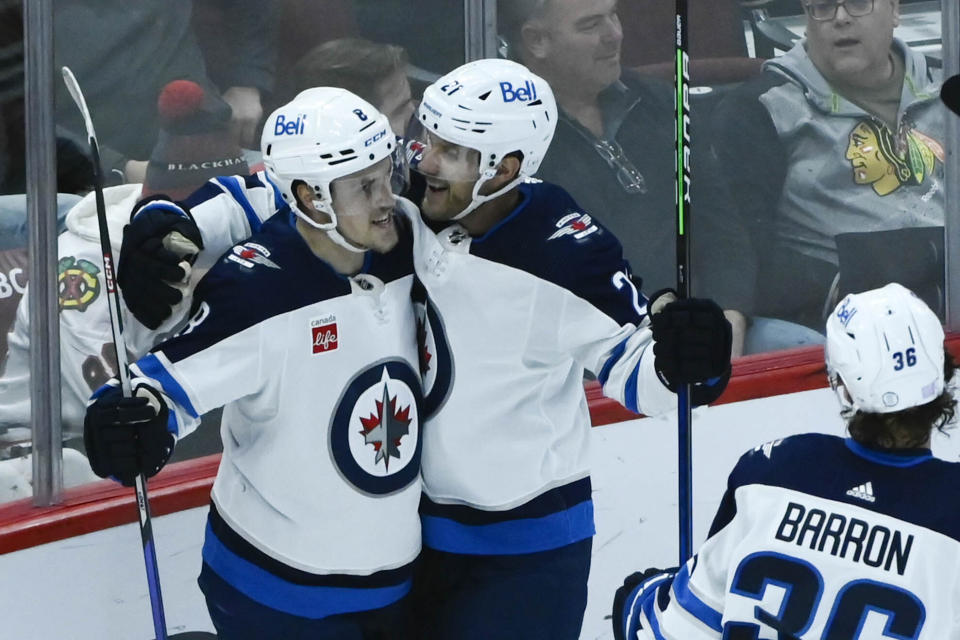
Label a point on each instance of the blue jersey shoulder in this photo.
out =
(271, 273)
(912, 486)
(552, 238)
(548, 234)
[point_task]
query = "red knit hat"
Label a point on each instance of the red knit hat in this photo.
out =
(194, 143)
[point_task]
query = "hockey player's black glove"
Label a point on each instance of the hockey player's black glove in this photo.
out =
(691, 344)
(125, 437)
(624, 597)
(157, 248)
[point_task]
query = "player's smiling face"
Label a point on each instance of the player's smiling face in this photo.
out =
(450, 172)
(364, 204)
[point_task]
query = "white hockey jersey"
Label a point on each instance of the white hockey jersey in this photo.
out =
(508, 323)
(513, 318)
(315, 501)
(818, 538)
(87, 355)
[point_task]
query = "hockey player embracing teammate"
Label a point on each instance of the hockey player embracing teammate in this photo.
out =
(305, 334)
(821, 537)
(522, 291)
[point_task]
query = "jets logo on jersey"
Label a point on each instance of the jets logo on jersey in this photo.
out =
(375, 432)
(578, 225)
(324, 335)
(249, 254)
(77, 282)
(436, 361)
(385, 429)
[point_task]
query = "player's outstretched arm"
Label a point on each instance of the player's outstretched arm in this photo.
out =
(159, 244)
(164, 238)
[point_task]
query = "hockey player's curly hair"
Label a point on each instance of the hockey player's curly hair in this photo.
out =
(911, 427)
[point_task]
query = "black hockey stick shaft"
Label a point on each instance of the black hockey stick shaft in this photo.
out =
(684, 409)
(116, 325)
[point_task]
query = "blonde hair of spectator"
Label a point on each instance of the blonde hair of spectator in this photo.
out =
(354, 64)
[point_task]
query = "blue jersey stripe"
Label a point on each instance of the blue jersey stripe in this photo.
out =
(163, 206)
(277, 198)
(630, 392)
(888, 459)
(232, 184)
(151, 367)
(308, 601)
(694, 605)
(528, 535)
(615, 355)
(652, 617)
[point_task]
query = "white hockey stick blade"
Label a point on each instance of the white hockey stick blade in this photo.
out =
(74, 88)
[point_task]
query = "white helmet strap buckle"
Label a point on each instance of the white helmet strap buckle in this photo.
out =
(330, 228)
(480, 199)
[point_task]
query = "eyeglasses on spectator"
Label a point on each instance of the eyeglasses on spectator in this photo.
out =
(823, 10)
(628, 175)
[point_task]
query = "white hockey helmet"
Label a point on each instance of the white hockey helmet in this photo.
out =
(321, 135)
(885, 348)
(496, 107)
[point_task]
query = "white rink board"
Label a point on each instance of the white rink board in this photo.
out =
(92, 587)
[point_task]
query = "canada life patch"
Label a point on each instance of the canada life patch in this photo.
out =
(324, 336)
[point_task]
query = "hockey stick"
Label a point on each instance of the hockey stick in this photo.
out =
(684, 415)
(116, 325)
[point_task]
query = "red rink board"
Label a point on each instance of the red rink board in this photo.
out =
(185, 485)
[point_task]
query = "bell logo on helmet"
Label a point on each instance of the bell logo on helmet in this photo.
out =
(284, 127)
(525, 93)
(844, 312)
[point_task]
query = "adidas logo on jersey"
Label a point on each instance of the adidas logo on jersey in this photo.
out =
(864, 492)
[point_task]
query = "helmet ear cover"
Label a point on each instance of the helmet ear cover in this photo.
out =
(884, 351)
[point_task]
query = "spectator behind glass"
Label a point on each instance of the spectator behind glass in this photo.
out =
(614, 149)
(375, 72)
(194, 146)
(844, 133)
(123, 53)
(431, 30)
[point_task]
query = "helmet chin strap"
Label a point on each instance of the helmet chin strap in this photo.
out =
(839, 388)
(330, 228)
(479, 199)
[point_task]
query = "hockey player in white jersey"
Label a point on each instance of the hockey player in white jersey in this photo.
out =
(306, 334)
(524, 292)
(820, 537)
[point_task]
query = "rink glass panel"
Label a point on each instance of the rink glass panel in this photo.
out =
(15, 440)
(729, 241)
(122, 65)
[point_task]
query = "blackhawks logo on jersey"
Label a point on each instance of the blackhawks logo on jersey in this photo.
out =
(78, 285)
(886, 160)
(375, 433)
